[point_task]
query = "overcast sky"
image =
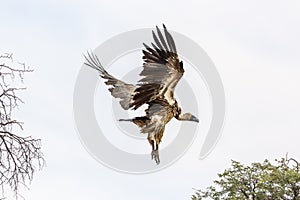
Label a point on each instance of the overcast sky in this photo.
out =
(254, 45)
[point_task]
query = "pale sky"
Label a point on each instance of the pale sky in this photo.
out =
(254, 45)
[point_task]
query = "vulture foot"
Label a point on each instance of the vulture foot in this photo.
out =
(155, 156)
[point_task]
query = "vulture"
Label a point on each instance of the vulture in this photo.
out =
(161, 72)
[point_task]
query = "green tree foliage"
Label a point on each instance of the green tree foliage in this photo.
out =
(259, 181)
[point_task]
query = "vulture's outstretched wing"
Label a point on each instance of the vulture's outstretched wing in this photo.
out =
(119, 89)
(160, 113)
(161, 70)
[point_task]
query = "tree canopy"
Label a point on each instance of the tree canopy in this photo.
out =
(258, 181)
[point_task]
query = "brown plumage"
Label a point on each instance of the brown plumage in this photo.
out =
(161, 72)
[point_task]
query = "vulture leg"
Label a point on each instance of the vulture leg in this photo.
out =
(155, 156)
(154, 153)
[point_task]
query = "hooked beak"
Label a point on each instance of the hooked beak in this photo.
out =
(194, 119)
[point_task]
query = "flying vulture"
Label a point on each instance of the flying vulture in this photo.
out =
(161, 72)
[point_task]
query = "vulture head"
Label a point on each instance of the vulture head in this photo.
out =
(188, 117)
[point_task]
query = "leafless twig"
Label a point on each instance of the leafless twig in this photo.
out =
(20, 156)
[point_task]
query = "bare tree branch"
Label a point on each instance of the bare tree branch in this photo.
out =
(20, 156)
